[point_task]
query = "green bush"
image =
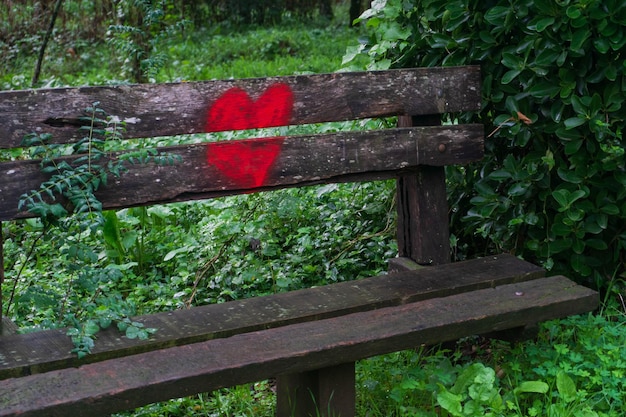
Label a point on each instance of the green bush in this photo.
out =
(552, 185)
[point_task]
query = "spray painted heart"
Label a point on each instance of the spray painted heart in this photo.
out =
(248, 162)
(245, 162)
(235, 110)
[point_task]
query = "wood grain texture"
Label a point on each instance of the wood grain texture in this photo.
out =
(25, 354)
(105, 387)
(181, 108)
(303, 160)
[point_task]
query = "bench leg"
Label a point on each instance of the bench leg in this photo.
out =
(423, 225)
(327, 392)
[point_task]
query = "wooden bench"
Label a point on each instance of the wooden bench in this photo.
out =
(308, 339)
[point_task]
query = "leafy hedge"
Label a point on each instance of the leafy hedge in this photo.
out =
(552, 186)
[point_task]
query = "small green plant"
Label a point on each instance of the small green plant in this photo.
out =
(566, 401)
(68, 200)
(477, 392)
(101, 314)
(76, 182)
(148, 23)
(474, 393)
(588, 349)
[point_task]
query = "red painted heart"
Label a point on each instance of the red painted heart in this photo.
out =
(235, 110)
(247, 162)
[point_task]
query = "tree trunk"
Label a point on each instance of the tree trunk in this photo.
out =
(326, 9)
(356, 8)
(42, 51)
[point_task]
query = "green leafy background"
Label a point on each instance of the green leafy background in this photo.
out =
(552, 186)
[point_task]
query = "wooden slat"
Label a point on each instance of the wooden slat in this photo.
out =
(132, 381)
(301, 160)
(181, 108)
(43, 351)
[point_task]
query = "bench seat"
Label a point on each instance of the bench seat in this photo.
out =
(286, 333)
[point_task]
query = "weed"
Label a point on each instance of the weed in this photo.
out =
(67, 200)
(148, 25)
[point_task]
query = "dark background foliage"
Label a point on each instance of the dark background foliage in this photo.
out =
(552, 186)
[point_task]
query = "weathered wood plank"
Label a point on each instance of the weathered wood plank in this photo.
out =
(231, 167)
(31, 353)
(136, 380)
(183, 108)
(403, 263)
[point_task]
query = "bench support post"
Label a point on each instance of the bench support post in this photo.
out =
(423, 234)
(325, 392)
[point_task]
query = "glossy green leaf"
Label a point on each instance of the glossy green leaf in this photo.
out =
(519, 189)
(573, 12)
(541, 23)
(602, 45)
(500, 175)
(579, 38)
(575, 215)
(497, 15)
(610, 209)
(510, 76)
(556, 110)
(573, 146)
(544, 89)
(569, 176)
(574, 122)
(512, 61)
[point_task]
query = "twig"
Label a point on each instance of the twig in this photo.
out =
(521, 117)
(205, 268)
(19, 274)
(42, 51)
(354, 241)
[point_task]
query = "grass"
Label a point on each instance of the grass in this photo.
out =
(218, 52)
(575, 367)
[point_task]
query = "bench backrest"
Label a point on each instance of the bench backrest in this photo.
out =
(205, 170)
